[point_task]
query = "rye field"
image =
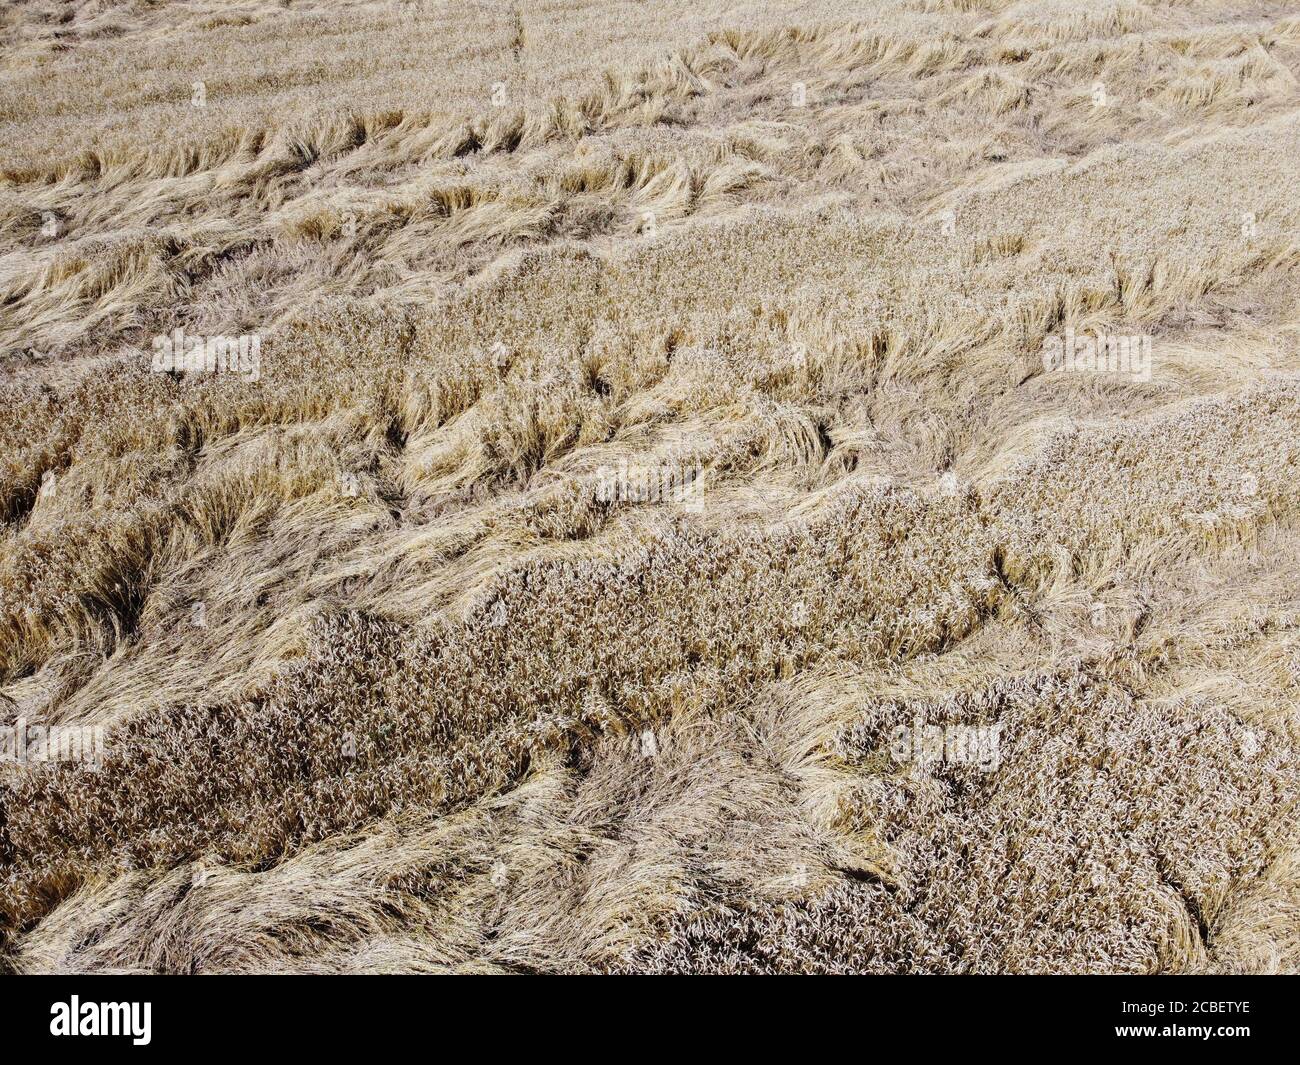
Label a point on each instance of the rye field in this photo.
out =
(592, 486)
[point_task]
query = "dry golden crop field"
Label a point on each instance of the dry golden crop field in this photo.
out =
(597, 486)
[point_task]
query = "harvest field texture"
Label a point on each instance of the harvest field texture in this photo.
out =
(575, 486)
